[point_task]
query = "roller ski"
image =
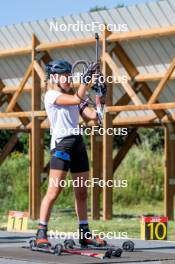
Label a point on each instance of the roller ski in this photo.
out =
(41, 244)
(110, 251)
(86, 241)
(58, 249)
(106, 254)
(128, 246)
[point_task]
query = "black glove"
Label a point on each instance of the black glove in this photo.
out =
(87, 75)
(100, 89)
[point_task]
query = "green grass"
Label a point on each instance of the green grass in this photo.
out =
(155, 208)
(67, 221)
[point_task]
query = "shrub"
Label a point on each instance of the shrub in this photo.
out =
(143, 169)
(14, 183)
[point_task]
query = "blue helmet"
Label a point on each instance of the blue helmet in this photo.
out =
(58, 66)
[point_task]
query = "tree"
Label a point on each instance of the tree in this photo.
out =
(5, 135)
(120, 5)
(98, 8)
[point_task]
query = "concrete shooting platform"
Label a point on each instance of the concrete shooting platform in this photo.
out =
(11, 252)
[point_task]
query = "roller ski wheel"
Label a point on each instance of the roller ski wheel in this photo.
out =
(117, 253)
(108, 253)
(58, 249)
(69, 244)
(32, 243)
(128, 246)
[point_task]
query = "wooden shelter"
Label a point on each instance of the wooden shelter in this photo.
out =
(145, 54)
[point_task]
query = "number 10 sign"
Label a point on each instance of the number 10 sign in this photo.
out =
(154, 228)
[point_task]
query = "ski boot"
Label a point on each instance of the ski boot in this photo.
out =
(41, 237)
(86, 239)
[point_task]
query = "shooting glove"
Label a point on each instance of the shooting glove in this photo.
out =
(90, 70)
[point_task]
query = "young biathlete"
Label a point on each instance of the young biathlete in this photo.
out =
(68, 151)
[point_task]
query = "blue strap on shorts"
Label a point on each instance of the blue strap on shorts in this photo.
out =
(62, 155)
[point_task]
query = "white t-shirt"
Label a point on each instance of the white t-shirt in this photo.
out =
(64, 119)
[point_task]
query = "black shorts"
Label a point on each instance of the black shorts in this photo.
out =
(73, 146)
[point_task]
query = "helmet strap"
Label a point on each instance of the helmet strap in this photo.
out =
(61, 90)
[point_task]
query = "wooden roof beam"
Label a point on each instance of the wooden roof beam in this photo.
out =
(142, 34)
(152, 77)
(15, 52)
(135, 121)
(127, 87)
(141, 121)
(23, 114)
(139, 34)
(9, 126)
(13, 101)
(162, 83)
(17, 108)
(143, 107)
(133, 72)
(66, 44)
(7, 98)
(13, 89)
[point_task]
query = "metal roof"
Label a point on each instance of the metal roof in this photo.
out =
(149, 55)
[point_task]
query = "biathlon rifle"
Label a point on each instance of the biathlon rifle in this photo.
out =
(98, 90)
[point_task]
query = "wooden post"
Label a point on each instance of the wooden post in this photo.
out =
(41, 152)
(96, 172)
(35, 139)
(107, 168)
(107, 139)
(30, 173)
(169, 173)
